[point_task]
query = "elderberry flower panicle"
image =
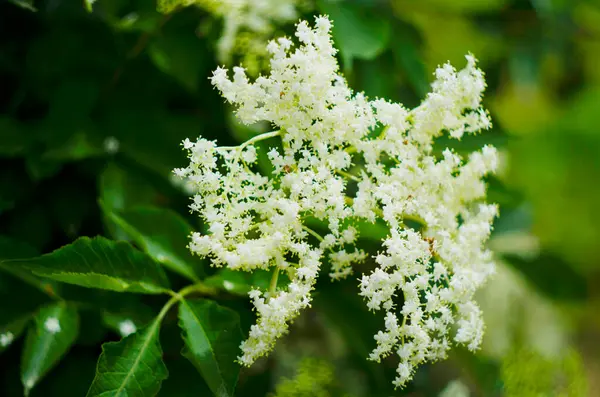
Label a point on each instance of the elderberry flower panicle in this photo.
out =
(326, 136)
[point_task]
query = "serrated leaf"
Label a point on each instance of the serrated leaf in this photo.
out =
(100, 263)
(132, 367)
(212, 336)
(162, 234)
(357, 31)
(48, 340)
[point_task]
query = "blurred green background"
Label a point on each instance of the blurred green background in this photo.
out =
(94, 105)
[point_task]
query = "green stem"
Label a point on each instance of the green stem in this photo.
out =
(273, 284)
(312, 233)
(349, 176)
(257, 138)
(180, 296)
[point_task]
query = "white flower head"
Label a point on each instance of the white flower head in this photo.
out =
(127, 327)
(52, 325)
(433, 258)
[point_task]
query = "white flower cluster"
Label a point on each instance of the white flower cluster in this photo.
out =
(329, 138)
(247, 24)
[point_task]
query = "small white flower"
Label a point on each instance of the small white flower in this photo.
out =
(111, 145)
(52, 325)
(228, 285)
(30, 382)
(6, 338)
(127, 327)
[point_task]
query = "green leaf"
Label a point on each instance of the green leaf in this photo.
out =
(128, 318)
(120, 189)
(212, 336)
(406, 54)
(15, 138)
(26, 4)
(180, 56)
(183, 380)
(89, 4)
(162, 234)
(357, 31)
(240, 283)
(14, 188)
(132, 367)
(100, 263)
(25, 292)
(25, 298)
(55, 329)
(552, 276)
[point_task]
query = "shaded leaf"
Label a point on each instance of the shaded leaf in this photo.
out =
(162, 234)
(552, 276)
(240, 283)
(14, 187)
(23, 290)
(183, 381)
(120, 189)
(128, 318)
(15, 140)
(26, 4)
(346, 315)
(357, 31)
(132, 367)
(180, 56)
(212, 337)
(100, 263)
(407, 55)
(48, 340)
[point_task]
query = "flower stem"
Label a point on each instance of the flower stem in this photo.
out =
(181, 294)
(257, 138)
(273, 284)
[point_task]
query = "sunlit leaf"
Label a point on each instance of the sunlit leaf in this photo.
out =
(212, 337)
(100, 263)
